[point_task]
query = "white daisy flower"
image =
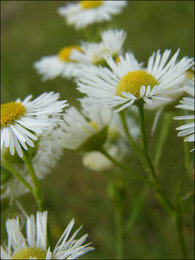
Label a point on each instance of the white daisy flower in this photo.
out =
(20, 118)
(58, 65)
(45, 156)
(127, 81)
(80, 133)
(35, 244)
(93, 53)
(116, 144)
(188, 104)
(88, 12)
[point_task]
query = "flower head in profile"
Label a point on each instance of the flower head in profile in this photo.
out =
(20, 118)
(35, 244)
(94, 53)
(116, 145)
(127, 82)
(85, 131)
(61, 64)
(45, 155)
(83, 13)
(188, 104)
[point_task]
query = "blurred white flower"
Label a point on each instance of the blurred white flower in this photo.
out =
(93, 53)
(97, 161)
(83, 13)
(87, 131)
(35, 244)
(116, 145)
(58, 65)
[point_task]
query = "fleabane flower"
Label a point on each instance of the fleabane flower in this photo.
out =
(93, 53)
(83, 13)
(127, 82)
(187, 103)
(85, 131)
(61, 64)
(116, 145)
(34, 246)
(20, 118)
(45, 155)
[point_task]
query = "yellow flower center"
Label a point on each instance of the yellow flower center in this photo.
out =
(133, 81)
(90, 4)
(10, 112)
(64, 54)
(30, 252)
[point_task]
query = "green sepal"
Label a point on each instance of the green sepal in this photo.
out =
(5, 203)
(12, 159)
(15, 159)
(95, 142)
(5, 175)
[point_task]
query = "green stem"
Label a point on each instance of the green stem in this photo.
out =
(175, 213)
(156, 121)
(179, 226)
(118, 164)
(167, 205)
(117, 198)
(187, 157)
(119, 231)
(178, 223)
(36, 185)
(89, 34)
(136, 208)
(166, 122)
(142, 128)
(17, 175)
(133, 144)
(36, 189)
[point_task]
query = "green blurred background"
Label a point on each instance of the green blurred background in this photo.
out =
(32, 29)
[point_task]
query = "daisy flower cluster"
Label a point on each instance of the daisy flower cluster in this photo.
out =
(116, 90)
